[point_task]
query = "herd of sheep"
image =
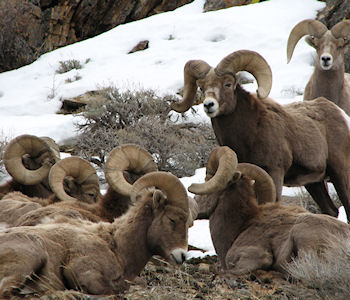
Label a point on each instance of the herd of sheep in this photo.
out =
(62, 233)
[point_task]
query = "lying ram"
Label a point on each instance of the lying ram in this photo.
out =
(78, 179)
(98, 258)
(328, 79)
(248, 236)
(297, 144)
(124, 165)
(28, 159)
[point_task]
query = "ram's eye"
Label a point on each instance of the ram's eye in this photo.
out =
(228, 84)
(172, 221)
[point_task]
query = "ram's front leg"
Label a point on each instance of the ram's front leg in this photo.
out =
(19, 270)
(93, 276)
(243, 260)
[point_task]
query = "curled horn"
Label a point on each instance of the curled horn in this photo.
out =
(53, 146)
(193, 70)
(252, 62)
(221, 167)
(128, 157)
(341, 29)
(306, 27)
(167, 183)
(35, 147)
(264, 186)
(80, 169)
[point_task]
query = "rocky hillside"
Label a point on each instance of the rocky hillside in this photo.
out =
(29, 28)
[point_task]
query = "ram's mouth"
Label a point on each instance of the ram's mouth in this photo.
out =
(326, 61)
(177, 256)
(211, 107)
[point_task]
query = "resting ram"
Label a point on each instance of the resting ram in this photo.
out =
(124, 165)
(248, 236)
(328, 79)
(298, 144)
(98, 258)
(28, 159)
(75, 175)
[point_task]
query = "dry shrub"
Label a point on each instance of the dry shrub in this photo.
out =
(142, 117)
(68, 65)
(3, 142)
(328, 275)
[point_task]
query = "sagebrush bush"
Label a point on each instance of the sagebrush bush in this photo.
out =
(328, 275)
(68, 65)
(142, 117)
(3, 143)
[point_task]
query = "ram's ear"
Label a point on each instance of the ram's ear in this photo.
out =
(159, 199)
(311, 41)
(236, 176)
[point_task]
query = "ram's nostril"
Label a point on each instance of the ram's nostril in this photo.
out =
(326, 58)
(208, 105)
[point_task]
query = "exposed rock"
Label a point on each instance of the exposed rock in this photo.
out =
(29, 28)
(74, 105)
(21, 33)
(219, 4)
(140, 46)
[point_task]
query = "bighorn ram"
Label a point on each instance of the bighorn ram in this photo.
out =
(76, 175)
(28, 159)
(297, 144)
(328, 79)
(248, 236)
(124, 165)
(98, 258)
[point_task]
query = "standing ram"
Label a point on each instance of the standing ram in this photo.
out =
(328, 79)
(248, 236)
(298, 144)
(98, 258)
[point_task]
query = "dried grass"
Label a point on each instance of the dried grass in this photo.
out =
(328, 275)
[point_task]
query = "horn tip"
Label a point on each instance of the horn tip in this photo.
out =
(176, 106)
(194, 188)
